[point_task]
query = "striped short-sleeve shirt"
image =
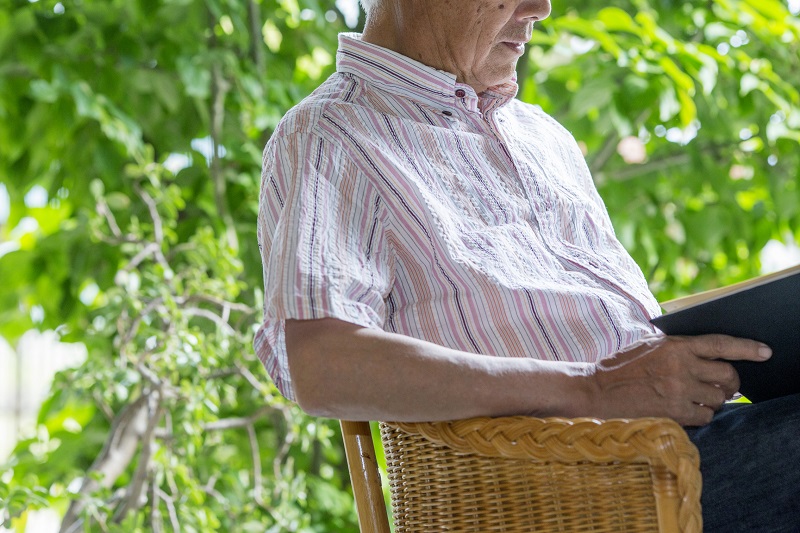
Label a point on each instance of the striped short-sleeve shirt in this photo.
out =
(394, 197)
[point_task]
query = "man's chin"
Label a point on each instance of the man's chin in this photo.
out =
(501, 78)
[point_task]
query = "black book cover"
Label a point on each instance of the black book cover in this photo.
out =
(768, 312)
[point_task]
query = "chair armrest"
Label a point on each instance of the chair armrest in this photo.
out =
(583, 442)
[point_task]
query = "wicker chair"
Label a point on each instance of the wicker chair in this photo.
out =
(527, 474)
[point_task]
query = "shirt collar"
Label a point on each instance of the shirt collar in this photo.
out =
(398, 74)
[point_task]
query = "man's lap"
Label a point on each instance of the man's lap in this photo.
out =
(750, 462)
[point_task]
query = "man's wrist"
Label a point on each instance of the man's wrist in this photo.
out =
(570, 390)
(587, 397)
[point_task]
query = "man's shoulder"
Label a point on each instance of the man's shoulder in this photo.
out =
(304, 117)
(346, 111)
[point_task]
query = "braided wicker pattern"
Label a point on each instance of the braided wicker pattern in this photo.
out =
(529, 474)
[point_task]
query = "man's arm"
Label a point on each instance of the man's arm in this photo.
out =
(341, 370)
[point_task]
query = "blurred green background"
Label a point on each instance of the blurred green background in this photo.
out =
(131, 134)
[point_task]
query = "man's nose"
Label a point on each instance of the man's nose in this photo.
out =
(533, 10)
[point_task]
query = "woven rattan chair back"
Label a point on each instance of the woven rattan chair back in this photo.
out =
(521, 474)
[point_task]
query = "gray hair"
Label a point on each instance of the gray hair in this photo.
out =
(367, 5)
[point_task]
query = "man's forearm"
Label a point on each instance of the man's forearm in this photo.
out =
(344, 371)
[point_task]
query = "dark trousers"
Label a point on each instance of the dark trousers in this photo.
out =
(750, 462)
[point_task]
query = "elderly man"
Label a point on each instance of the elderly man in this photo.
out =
(435, 249)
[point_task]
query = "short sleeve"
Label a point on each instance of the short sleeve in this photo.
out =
(321, 235)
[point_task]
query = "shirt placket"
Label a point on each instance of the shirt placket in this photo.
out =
(495, 123)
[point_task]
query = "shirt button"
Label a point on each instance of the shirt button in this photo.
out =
(461, 93)
(447, 113)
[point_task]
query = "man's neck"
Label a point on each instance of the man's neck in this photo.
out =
(388, 27)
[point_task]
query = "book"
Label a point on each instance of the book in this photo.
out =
(766, 309)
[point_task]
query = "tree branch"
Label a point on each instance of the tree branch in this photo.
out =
(131, 332)
(158, 225)
(151, 249)
(205, 313)
(117, 453)
(209, 489)
(255, 452)
(664, 163)
(173, 514)
(606, 151)
(282, 452)
(134, 494)
(155, 512)
(221, 373)
(256, 42)
(219, 91)
(251, 379)
(103, 209)
(106, 410)
(237, 422)
(217, 301)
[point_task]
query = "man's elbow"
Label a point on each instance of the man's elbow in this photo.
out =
(309, 387)
(311, 377)
(313, 403)
(320, 365)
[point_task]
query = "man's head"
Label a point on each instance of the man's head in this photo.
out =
(479, 41)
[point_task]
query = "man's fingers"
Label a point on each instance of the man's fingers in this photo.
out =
(710, 396)
(700, 416)
(730, 348)
(719, 373)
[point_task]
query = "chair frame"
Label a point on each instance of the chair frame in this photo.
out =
(365, 477)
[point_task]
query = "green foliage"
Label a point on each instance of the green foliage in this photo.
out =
(170, 423)
(143, 122)
(707, 92)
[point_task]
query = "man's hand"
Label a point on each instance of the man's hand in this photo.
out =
(681, 378)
